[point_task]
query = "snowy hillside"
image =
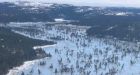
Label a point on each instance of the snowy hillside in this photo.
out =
(98, 10)
(76, 53)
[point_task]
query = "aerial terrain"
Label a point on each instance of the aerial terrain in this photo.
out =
(64, 39)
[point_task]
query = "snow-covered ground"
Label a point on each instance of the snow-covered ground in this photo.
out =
(76, 53)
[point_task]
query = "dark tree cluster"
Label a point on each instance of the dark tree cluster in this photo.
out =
(15, 49)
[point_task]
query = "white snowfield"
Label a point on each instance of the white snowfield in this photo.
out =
(78, 54)
(38, 47)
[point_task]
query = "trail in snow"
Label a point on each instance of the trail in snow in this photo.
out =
(78, 54)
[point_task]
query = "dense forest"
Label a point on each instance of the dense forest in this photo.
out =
(121, 32)
(15, 48)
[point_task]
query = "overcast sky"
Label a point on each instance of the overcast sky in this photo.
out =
(120, 3)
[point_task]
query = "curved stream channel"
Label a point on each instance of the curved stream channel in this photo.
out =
(76, 53)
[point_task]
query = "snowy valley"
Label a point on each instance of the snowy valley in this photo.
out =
(76, 53)
(71, 40)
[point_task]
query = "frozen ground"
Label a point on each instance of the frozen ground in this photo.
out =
(76, 53)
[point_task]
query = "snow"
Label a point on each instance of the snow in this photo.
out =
(78, 54)
(34, 4)
(110, 28)
(59, 20)
(121, 14)
(62, 20)
(17, 70)
(38, 47)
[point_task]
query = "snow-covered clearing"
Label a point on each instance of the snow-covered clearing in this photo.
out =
(76, 53)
